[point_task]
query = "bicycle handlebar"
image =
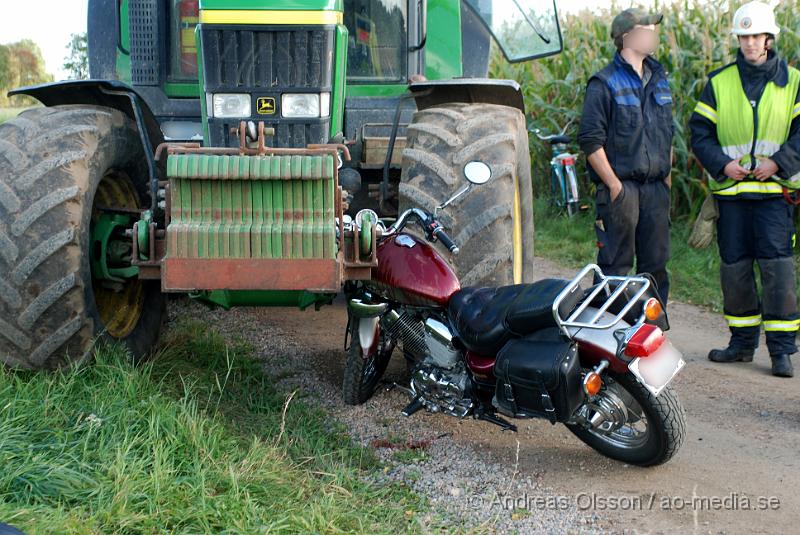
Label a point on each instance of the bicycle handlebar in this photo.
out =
(550, 137)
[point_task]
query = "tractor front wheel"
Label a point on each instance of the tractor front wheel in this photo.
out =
(493, 223)
(72, 178)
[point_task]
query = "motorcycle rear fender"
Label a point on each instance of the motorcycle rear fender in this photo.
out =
(591, 355)
(596, 345)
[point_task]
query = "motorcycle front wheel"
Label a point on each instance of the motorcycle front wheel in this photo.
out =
(362, 374)
(638, 428)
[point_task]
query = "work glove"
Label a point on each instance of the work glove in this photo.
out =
(704, 225)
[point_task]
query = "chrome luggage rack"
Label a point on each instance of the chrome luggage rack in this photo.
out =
(639, 284)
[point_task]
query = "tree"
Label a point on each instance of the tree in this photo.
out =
(76, 63)
(21, 64)
(5, 66)
(30, 68)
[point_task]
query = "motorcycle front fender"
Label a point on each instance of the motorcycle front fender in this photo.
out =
(369, 330)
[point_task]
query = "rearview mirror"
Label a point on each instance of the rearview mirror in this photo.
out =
(477, 172)
(422, 6)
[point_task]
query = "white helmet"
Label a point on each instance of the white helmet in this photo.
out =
(755, 18)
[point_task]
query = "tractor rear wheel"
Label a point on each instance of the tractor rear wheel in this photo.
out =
(493, 223)
(65, 171)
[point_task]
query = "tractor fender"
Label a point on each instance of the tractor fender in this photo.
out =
(430, 93)
(111, 94)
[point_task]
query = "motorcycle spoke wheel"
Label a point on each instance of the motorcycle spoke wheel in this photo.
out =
(628, 423)
(636, 427)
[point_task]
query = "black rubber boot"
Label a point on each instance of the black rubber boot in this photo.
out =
(731, 355)
(782, 366)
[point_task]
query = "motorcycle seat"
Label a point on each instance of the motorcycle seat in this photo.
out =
(486, 318)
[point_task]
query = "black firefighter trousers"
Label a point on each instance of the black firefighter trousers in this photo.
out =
(762, 231)
(636, 224)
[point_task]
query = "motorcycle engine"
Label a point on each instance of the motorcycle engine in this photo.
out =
(442, 390)
(422, 337)
(440, 379)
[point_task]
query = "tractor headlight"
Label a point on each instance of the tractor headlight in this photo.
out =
(305, 105)
(231, 105)
(324, 104)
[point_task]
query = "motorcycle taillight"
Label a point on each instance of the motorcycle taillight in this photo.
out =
(645, 341)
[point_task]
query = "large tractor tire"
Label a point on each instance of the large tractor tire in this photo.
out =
(493, 223)
(58, 167)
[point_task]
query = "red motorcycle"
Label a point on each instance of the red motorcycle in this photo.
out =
(590, 352)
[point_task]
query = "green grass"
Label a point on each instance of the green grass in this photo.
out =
(694, 274)
(9, 113)
(195, 441)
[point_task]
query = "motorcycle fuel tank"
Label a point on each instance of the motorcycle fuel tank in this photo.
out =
(411, 271)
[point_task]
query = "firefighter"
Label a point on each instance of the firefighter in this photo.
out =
(626, 133)
(746, 133)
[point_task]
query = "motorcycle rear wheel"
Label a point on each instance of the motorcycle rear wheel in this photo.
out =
(651, 431)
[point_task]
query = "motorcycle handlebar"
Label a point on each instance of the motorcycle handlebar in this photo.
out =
(433, 229)
(442, 236)
(417, 213)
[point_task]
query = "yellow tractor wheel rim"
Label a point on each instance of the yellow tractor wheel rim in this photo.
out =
(119, 309)
(517, 234)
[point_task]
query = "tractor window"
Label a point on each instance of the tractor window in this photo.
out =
(524, 29)
(183, 18)
(377, 49)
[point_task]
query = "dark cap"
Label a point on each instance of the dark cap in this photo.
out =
(630, 18)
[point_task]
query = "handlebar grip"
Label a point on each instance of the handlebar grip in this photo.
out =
(442, 236)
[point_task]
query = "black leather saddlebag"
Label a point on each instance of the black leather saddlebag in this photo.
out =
(538, 378)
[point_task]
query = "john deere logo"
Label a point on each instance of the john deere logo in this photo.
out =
(265, 105)
(746, 22)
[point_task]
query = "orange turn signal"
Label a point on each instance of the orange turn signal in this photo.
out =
(652, 309)
(592, 383)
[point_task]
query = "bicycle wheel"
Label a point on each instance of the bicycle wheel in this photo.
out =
(573, 197)
(558, 186)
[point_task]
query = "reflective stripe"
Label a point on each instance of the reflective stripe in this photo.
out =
(765, 147)
(796, 111)
(781, 325)
(737, 151)
(253, 16)
(743, 321)
(706, 111)
(751, 187)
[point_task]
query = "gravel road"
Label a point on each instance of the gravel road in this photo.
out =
(738, 471)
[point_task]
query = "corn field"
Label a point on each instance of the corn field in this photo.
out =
(695, 39)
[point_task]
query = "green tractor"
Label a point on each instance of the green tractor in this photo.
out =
(239, 151)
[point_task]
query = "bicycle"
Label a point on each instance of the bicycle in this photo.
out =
(564, 188)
